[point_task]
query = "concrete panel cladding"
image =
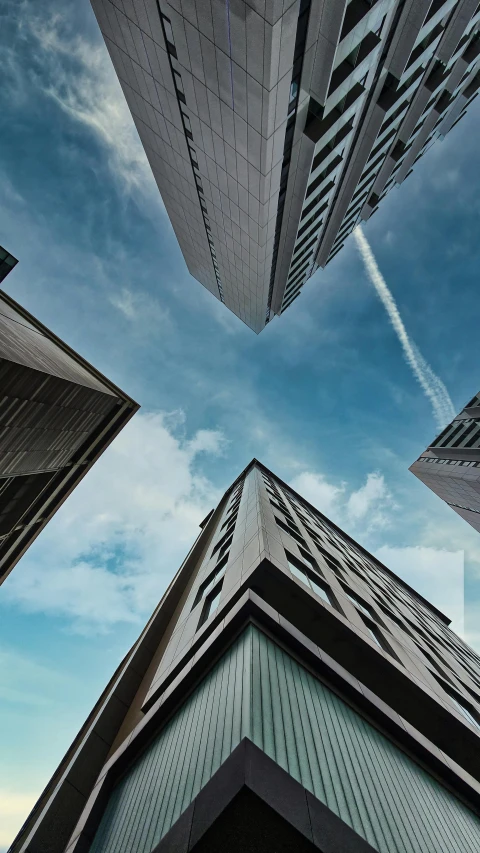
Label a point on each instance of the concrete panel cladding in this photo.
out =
(266, 125)
(279, 634)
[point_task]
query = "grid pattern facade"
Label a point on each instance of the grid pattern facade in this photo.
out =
(379, 607)
(378, 604)
(273, 128)
(402, 76)
(314, 590)
(450, 466)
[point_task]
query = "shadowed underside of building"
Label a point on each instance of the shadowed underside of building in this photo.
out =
(289, 693)
(450, 466)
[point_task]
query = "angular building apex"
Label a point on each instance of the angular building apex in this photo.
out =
(57, 415)
(288, 693)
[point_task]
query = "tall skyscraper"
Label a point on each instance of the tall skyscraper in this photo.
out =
(57, 416)
(450, 466)
(289, 693)
(274, 127)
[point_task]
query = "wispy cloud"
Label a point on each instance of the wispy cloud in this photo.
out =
(77, 74)
(431, 384)
(110, 551)
(369, 507)
(367, 513)
(436, 573)
(146, 313)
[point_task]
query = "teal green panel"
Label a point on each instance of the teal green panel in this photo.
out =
(350, 766)
(183, 757)
(258, 691)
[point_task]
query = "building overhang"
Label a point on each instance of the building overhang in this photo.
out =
(251, 608)
(252, 804)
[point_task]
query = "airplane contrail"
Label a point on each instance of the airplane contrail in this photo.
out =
(432, 385)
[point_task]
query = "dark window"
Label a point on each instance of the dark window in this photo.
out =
(309, 578)
(308, 223)
(220, 544)
(291, 531)
(168, 32)
(376, 635)
(380, 144)
(324, 174)
(462, 705)
(359, 603)
(357, 55)
(355, 11)
(304, 250)
(211, 603)
(210, 581)
(418, 50)
(434, 8)
(328, 148)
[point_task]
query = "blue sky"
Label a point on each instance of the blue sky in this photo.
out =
(323, 396)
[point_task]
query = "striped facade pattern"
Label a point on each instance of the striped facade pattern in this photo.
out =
(258, 691)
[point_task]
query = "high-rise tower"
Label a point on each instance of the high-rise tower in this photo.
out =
(274, 126)
(450, 466)
(289, 693)
(57, 416)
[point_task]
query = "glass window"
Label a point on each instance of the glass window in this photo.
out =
(358, 603)
(295, 570)
(214, 601)
(211, 580)
(319, 590)
(374, 634)
(466, 713)
(211, 604)
(307, 578)
(168, 29)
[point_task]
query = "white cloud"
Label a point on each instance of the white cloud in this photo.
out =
(110, 551)
(365, 509)
(316, 489)
(368, 496)
(78, 75)
(431, 384)
(435, 573)
(146, 313)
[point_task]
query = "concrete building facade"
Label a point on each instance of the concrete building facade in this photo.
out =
(288, 693)
(450, 466)
(57, 416)
(273, 127)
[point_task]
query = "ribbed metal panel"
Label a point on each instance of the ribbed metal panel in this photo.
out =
(259, 691)
(45, 419)
(352, 768)
(185, 755)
